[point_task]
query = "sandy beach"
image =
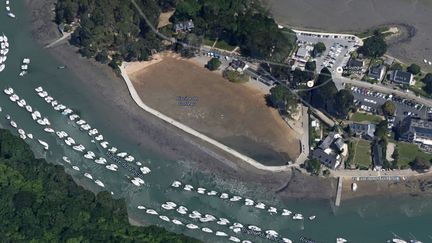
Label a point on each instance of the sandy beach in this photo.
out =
(234, 114)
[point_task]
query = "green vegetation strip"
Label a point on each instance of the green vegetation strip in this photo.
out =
(408, 152)
(39, 202)
(363, 117)
(362, 157)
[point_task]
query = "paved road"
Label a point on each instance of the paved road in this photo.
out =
(383, 89)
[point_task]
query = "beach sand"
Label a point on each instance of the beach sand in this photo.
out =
(234, 114)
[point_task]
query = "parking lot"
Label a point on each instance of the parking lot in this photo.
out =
(371, 101)
(338, 48)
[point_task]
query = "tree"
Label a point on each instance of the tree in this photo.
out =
(381, 130)
(213, 64)
(428, 81)
(374, 46)
(395, 157)
(396, 66)
(344, 101)
(414, 69)
(318, 49)
(310, 66)
(313, 166)
(102, 57)
(389, 108)
(420, 164)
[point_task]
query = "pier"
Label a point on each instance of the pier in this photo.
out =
(339, 192)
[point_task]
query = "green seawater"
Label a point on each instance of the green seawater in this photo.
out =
(360, 220)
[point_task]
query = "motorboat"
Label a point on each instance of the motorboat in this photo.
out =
(99, 183)
(112, 167)
(201, 190)
(220, 233)
(11, 15)
(254, 228)
(73, 117)
(286, 240)
(30, 136)
(234, 239)
(312, 217)
(192, 226)
(167, 207)
(260, 205)
(177, 222)
(76, 168)
(188, 188)
(223, 221)
(207, 230)
(79, 148)
(354, 187)
(43, 94)
(286, 212)
(164, 218)
(101, 161)
(172, 204)
(99, 137)
(122, 154)
(145, 170)
(212, 193)
(13, 124)
(176, 184)
(238, 225)
(298, 216)
(182, 210)
(81, 122)
(104, 144)
(88, 176)
(151, 211)
(249, 202)
(129, 158)
(66, 159)
(39, 89)
(43, 143)
(112, 150)
(138, 163)
(396, 241)
(272, 233)
(8, 91)
(272, 210)
(340, 240)
(235, 199)
(224, 196)
(29, 108)
(141, 207)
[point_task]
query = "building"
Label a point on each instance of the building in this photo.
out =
(415, 130)
(402, 77)
(377, 156)
(366, 130)
(239, 65)
(328, 159)
(184, 26)
(377, 72)
(302, 52)
(325, 144)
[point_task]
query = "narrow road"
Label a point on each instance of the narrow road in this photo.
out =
(64, 37)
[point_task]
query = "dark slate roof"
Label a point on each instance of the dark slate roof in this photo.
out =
(327, 141)
(375, 72)
(419, 127)
(363, 128)
(401, 77)
(238, 64)
(182, 26)
(329, 160)
(339, 143)
(355, 63)
(377, 155)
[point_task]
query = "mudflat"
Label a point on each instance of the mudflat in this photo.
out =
(234, 114)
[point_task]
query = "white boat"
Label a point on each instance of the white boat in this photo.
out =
(88, 176)
(177, 222)
(104, 144)
(79, 148)
(176, 184)
(220, 233)
(235, 230)
(340, 240)
(73, 117)
(286, 240)
(37, 114)
(164, 218)
(272, 210)
(135, 182)
(26, 61)
(43, 94)
(81, 122)
(223, 221)
(249, 202)
(286, 212)
(297, 216)
(207, 230)
(99, 183)
(29, 108)
(30, 136)
(93, 132)
(66, 159)
(112, 167)
(188, 188)
(312, 217)
(272, 233)
(122, 154)
(238, 225)
(141, 207)
(138, 163)
(101, 161)
(396, 241)
(20, 131)
(75, 168)
(13, 124)
(69, 141)
(23, 136)
(260, 205)
(22, 73)
(8, 91)
(167, 207)
(39, 89)
(354, 187)
(99, 137)
(201, 190)
(151, 211)
(235, 199)
(192, 226)
(172, 204)
(112, 150)
(145, 170)
(224, 196)
(11, 15)
(254, 228)
(129, 158)
(194, 215)
(86, 127)
(212, 193)
(67, 111)
(182, 210)
(234, 239)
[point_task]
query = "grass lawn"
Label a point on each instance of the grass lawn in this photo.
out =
(362, 154)
(208, 42)
(408, 152)
(223, 45)
(360, 117)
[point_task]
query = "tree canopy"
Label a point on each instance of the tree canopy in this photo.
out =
(374, 46)
(414, 69)
(39, 202)
(420, 164)
(281, 98)
(319, 48)
(427, 80)
(213, 64)
(389, 108)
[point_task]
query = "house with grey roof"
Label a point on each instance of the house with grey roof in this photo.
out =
(325, 144)
(365, 130)
(330, 160)
(377, 156)
(184, 26)
(302, 52)
(416, 130)
(402, 77)
(377, 72)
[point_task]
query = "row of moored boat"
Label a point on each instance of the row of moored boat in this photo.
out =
(8, 9)
(4, 50)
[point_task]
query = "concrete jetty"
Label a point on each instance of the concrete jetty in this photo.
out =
(339, 192)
